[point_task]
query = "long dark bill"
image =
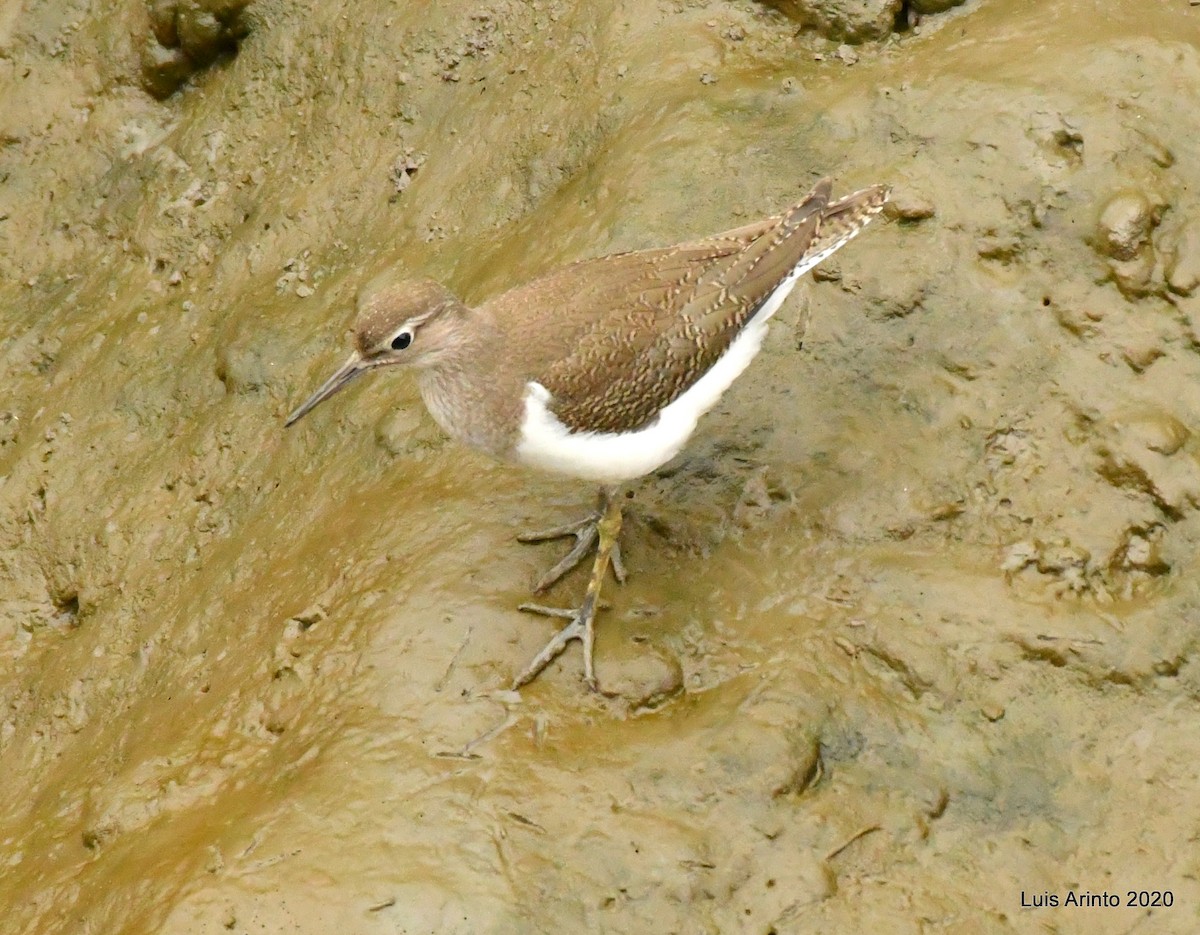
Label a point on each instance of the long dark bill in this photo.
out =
(346, 374)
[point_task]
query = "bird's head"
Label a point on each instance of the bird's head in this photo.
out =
(415, 322)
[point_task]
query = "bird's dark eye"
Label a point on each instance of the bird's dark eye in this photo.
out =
(401, 341)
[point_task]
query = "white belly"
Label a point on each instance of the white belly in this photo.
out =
(610, 458)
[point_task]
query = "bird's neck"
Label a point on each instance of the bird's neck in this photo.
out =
(458, 388)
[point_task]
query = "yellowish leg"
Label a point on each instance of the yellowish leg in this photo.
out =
(585, 532)
(582, 620)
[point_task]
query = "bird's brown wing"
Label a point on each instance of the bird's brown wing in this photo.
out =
(637, 330)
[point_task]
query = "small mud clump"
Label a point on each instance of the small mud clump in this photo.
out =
(187, 36)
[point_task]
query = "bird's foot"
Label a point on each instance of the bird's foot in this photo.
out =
(581, 627)
(586, 533)
(603, 529)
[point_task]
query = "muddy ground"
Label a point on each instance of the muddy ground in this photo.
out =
(911, 631)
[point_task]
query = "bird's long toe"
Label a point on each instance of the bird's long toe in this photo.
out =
(581, 626)
(586, 533)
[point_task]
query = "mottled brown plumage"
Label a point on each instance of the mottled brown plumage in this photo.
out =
(646, 325)
(631, 332)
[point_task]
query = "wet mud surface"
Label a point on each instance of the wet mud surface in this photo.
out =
(911, 627)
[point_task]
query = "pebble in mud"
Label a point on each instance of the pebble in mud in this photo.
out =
(1142, 553)
(1125, 224)
(201, 34)
(1134, 277)
(1183, 264)
(844, 20)
(1123, 235)
(992, 711)
(164, 69)
(909, 206)
(188, 35)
